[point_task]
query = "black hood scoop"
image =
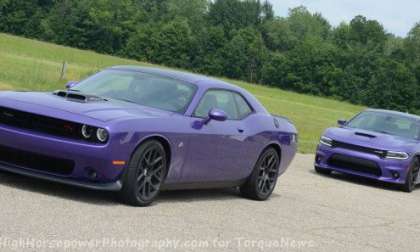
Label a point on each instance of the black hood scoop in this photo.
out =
(78, 97)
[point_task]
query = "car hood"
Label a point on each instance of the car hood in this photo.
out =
(370, 139)
(100, 109)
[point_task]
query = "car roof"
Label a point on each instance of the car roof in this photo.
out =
(393, 112)
(197, 79)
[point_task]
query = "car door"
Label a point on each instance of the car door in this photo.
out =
(216, 149)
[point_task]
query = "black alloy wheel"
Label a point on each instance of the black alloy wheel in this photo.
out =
(263, 179)
(145, 174)
(413, 173)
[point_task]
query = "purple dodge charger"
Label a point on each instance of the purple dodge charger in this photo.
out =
(140, 130)
(378, 144)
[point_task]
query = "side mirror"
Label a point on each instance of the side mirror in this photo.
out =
(217, 115)
(214, 114)
(71, 84)
(341, 123)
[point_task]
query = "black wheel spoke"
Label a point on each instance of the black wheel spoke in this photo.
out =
(140, 177)
(146, 189)
(260, 185)
(270, 161)
(156, 169)
(143, 188)
(150, 170)
(263, 182)
(156, 161)
(268, 186)
(147, 157)
(156, 177)
(267, 173)
(141, 185)
(414, 176)
(154, 187)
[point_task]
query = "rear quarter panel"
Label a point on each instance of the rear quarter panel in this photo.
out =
(264, 132)
(287, 136)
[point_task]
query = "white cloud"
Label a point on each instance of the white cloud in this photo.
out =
(397, 17)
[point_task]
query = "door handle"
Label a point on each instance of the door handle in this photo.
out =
(241, 130)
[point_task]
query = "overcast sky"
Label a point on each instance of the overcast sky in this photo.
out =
(397, 16)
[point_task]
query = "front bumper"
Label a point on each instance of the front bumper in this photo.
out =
(392, 171)
(86, 157)
(113, 186)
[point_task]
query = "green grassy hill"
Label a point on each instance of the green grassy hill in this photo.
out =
(32, 65)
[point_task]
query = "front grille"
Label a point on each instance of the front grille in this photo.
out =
(35, 161)
(377, 152)
(355, 164)
(39, 123)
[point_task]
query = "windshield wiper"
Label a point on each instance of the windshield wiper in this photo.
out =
(383, 132)
(126, 100)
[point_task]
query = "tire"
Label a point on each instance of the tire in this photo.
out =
(410, 182)
(263, 180)
(322, 170)
(145, 174)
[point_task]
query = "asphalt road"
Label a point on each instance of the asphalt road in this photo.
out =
(307, 212)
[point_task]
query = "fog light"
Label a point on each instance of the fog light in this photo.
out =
(395, 175)
(318, 159)
(91, 173)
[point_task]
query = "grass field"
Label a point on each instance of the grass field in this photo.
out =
(32, 65)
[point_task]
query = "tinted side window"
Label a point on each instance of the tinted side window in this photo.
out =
(243, 107)
(219, 99)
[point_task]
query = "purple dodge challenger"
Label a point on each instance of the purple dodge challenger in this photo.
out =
(140, 130)
(378, 144)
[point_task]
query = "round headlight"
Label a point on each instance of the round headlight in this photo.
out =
(102, 135)
(87, 131)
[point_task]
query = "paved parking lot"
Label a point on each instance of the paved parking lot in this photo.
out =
(307, 212)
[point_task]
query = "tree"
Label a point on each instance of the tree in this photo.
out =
(361, 32)
(312, 68)
(305, 25)
(172, 43)
(140, 44)
(68, 24)
(275, 70)
(412, 44)
(244, 55)
(267, 11)
(412, 51)
(207, 49)
(194, 11)
(23, 17)
(278, 35)
(393, 86)
(235, 14)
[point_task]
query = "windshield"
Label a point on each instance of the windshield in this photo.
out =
(386, 123)
(143, 89)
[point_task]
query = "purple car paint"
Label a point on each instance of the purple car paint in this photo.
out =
(40, 135)
(377, 144)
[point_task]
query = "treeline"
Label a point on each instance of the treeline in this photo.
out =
(358, 61)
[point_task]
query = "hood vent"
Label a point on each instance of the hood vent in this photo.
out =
(365, 135)
(75, 96)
